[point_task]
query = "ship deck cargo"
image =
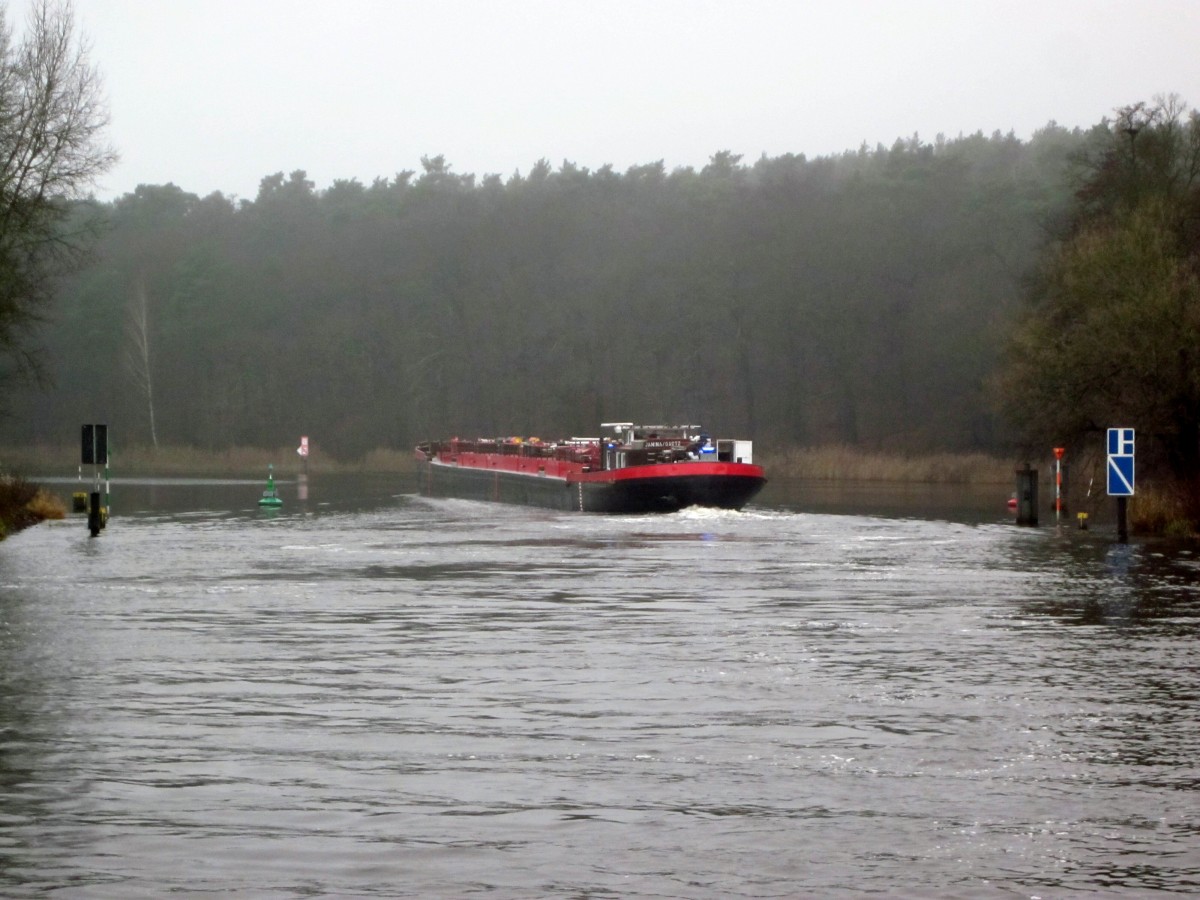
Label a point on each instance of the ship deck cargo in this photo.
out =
(629, 469)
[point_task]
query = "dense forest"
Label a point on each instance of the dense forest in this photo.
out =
(1109, 330)
(859, 299)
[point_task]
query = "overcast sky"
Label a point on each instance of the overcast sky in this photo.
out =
(213, 95)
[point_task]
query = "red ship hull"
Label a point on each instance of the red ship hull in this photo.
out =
(639, 489)
(633, 468)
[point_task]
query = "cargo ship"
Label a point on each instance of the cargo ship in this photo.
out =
(628, 469)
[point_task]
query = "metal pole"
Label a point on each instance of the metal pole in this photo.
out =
(1058, 455)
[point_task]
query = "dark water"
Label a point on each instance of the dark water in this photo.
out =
(371, 694)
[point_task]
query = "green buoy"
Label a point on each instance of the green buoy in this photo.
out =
(270, 496)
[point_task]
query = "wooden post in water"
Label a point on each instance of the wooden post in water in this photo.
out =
(1027, 499)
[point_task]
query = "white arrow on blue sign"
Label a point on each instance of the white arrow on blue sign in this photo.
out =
(1120, 462)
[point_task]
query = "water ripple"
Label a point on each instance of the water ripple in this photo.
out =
(415, 698)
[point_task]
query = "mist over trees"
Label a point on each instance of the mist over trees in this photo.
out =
(857, 299)
(1110, 334)
(884, 298)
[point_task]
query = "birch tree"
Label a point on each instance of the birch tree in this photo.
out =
(137, 353)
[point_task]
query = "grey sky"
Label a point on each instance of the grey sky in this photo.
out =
(213, 95)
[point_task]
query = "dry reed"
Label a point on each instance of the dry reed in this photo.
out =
(820, 463)
(1156, 509)
(180, 461)
(851, 464)
(23, 504)
(45, 505)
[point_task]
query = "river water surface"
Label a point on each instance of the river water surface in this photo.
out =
(373, 694)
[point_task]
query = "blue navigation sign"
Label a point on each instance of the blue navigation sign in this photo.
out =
(1120, 462)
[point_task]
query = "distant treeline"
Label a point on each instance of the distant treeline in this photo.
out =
(860, 299)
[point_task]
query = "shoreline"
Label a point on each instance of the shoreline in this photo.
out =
(24, 503)
(833, 463)
(1159, 509)
(45, 461)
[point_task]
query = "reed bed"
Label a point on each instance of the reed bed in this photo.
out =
(821, 463)
(45, 505)
(23, 503)
(852, 464)
(1170, 511)
(182, 462)
(1156, 509)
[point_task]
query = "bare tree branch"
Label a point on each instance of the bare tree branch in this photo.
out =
(52, 116)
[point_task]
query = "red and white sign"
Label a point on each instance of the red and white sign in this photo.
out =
(303, 448)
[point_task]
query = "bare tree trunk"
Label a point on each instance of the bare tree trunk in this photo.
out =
(52, 115)
(138, 352)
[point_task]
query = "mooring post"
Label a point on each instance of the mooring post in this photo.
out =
(95, 454)
(95, 514)
(1059, 484)
(1027, 500)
